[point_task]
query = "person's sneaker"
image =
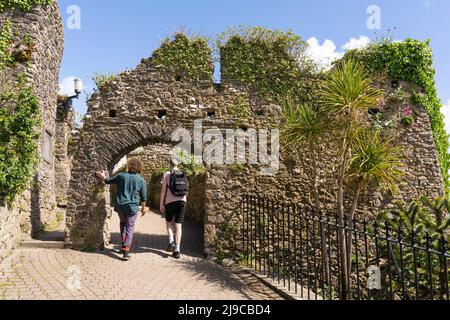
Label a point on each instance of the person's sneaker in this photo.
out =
(126, 256)
(171, 247)
(176, 255)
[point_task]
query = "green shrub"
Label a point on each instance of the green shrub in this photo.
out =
(187, 57)
(102, 79)
(411, 61)
(270, 63)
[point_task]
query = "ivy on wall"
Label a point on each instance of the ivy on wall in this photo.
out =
(19, 114)
(274, 65)
(270, 63)
(412, 61)
(6, 57)
(24, 5)
(19, 117)
(187, 57)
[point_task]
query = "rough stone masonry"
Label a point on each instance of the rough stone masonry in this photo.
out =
(144, 106)
(38, 206)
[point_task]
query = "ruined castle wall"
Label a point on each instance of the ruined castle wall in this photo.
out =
(65, 123)
(36, 207)
(125, 114)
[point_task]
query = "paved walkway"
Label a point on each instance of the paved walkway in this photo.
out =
(150, 274)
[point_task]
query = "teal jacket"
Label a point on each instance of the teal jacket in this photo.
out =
(131, 191)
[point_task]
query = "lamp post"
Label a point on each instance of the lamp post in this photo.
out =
(68, 102)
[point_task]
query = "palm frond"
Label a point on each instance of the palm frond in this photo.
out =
(376, 159)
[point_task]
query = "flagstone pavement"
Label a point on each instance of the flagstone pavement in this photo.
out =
(151, 274)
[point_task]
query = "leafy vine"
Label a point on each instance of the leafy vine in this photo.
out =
(24, 5)
(412, 61)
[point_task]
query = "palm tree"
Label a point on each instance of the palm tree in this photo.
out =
(376, 161)
(304, 128)
(347, 94)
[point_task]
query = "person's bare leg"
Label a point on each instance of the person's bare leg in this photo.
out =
(178, 234)
(169, 226)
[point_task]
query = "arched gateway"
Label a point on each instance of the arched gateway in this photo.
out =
(145, 107)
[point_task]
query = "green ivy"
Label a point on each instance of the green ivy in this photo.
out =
(19, 117)
(240, 110)
(24, 5)
(271, 63)
(412, 61)
(188, 58)
(6, 58)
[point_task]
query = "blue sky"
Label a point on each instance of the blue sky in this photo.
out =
(116, 34)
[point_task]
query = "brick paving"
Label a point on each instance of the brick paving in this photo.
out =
(151, 274)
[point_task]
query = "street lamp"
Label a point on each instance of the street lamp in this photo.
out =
(78, 88)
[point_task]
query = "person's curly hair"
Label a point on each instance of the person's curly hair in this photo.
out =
(135, 165)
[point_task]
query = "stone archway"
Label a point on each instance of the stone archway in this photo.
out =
(143, 107)
(87, 209)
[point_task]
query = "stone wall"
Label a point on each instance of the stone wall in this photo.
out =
(65, 123)
(144, 106)
(36, 207)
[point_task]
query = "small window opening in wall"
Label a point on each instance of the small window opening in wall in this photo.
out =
(395, 84)
(112, 113)
(374, 111)
(178, 78)
(218, 86)
(211, 114)
(162, 114)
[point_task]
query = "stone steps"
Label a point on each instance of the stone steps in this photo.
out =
(46, 240)
(41, 244)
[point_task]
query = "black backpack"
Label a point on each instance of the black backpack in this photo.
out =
(178, 184)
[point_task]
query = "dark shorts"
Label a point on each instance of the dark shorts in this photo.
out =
(176, 210)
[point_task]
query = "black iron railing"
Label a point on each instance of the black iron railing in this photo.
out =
(317, 257)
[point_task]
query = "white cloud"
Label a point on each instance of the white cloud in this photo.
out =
(324, 54)
(66, 86)
(446, 111)
(353, 43)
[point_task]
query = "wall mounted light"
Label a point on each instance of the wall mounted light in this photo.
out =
(78, 88)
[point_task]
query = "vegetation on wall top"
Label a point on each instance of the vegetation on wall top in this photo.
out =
(411, 61)
(270, 63)
(102, 79)
(24, 5)
(187, 57)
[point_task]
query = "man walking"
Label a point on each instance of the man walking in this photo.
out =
(173, 204)
(131, 193)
